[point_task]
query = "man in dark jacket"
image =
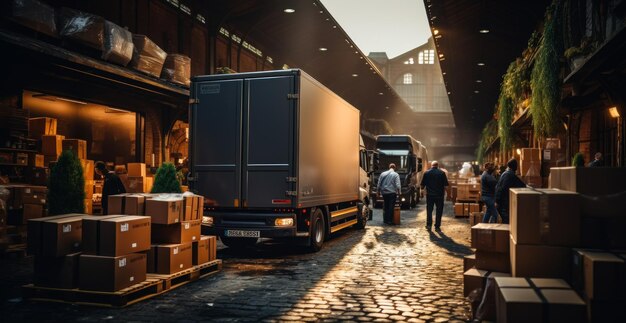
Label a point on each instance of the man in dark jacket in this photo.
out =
(112, 185)
(508, 180)
(488, 192)
(597, 160)
(435, 182)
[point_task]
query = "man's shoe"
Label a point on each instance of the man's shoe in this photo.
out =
(437, 229)
(427, 228)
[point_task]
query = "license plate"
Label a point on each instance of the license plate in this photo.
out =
(243, 233)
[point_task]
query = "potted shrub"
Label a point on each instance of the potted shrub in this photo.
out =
(165, 180)
(578, 160)
(66, 186)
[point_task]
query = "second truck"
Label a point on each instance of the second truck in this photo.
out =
(276, 155)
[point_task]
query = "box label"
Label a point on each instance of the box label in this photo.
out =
(176, 250)
(67, 228)
(122, 262)
(124, 227)
(134, 245)
(187, 226)
(132, 278)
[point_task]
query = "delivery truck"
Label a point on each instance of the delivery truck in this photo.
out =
(276, 155)
(409, 156)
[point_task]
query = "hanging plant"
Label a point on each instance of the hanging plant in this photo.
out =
(545, 78)
(505, 106)
(488, 135)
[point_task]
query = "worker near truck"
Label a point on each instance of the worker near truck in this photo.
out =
(435, 182)
(389, 187)
(507, 180)
(488, 191)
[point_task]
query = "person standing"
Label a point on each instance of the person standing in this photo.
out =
(597, 161)
(507, 180)
(112, 185)
(435, 182)
(488, 191)
(389, 188)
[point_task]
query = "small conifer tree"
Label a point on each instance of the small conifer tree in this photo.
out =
(66, 186)
(165, 180)
(578, 160)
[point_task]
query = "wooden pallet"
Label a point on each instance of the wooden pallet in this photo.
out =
(153, 286)
(186, 276)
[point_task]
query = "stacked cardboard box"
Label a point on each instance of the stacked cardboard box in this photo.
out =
(113, 248)
(537, 300)
(530, 166)
(56, 243)
(491, 241)
(32, 199)
(468, 191)
(545, 224)
(476, 218)
(600, 277)
(137, 179)
(465, 209)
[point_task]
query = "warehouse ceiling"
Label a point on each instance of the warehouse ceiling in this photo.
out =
(476, 41)
(302, 34)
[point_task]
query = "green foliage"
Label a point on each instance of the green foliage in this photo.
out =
(488, 135)
(545, 77)
(66, 187)
(165, 180)
(578, 160)
(505, 118)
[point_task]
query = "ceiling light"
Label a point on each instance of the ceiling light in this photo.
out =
(440, 55)
(289, 10)
(386, 108)
(436, 32)
(444, 73)
(479, 81)
(484, 31)
(613, 112)
(481, 64)
(476, 91)
(355, 75)
(323, 49)
(437, 36)
(449, 93)
(380, 93)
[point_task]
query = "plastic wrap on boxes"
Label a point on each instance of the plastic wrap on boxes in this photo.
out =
(118, 44)
(83, 27)
(177, 69)
(34, 15)
(147, 56)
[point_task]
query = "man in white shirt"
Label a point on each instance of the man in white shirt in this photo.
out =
(389, 188)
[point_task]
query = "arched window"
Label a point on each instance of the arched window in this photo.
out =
(426, 57)
(407, 78)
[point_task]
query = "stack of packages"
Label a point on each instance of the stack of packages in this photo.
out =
(56, 243)
(137, 180)
(176, 229)
(4, 196)
(177, 69)
(147, 56)
(468, 191)
(530, 166)
(114, 248)
(597, 267)
(477, 217)
(465, 209)
(79, 147)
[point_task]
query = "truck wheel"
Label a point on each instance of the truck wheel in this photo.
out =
(238, 243)
(318, 231)
(362, 215)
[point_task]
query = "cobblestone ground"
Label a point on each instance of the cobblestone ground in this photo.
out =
(383, 273)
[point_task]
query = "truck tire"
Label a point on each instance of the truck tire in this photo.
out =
(238, 243)
(318, 231)
(362, 215)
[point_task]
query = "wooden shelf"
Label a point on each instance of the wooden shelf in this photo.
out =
(18, 150)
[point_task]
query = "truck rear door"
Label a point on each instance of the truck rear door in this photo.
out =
(269, 130)
(242, 141)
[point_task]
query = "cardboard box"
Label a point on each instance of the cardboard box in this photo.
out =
(109, 274)
(172, 258)
(34, 195)
(458, 209)
(564, 305)
(88, 169)
(603, 275)
(77, 145)
(186, 231)
(599, 311)
(212, 248)
(492, 237)
(137, 169)
(540, 261)
(139, 184)
(604, 233)
(545, 216)
(81, 27)
(124, 235)
(55, 236)
(475, 278)
(56, 272)
(493, 261)
(38, 127)
(518, 305)
(50, 160)
(594, 181)
(201, 251)
(36, 160)
(91, 233)
(147, 56)
(117, 204)
(32, 211)
(200, 207)
(134, 204)
(150, 259)
(52, 145)
(512, 282)
(530, 154)
(552, 283)
(469, 262)
(165, 210)
(476, 218)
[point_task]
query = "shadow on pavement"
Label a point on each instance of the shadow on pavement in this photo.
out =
(454, 248)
